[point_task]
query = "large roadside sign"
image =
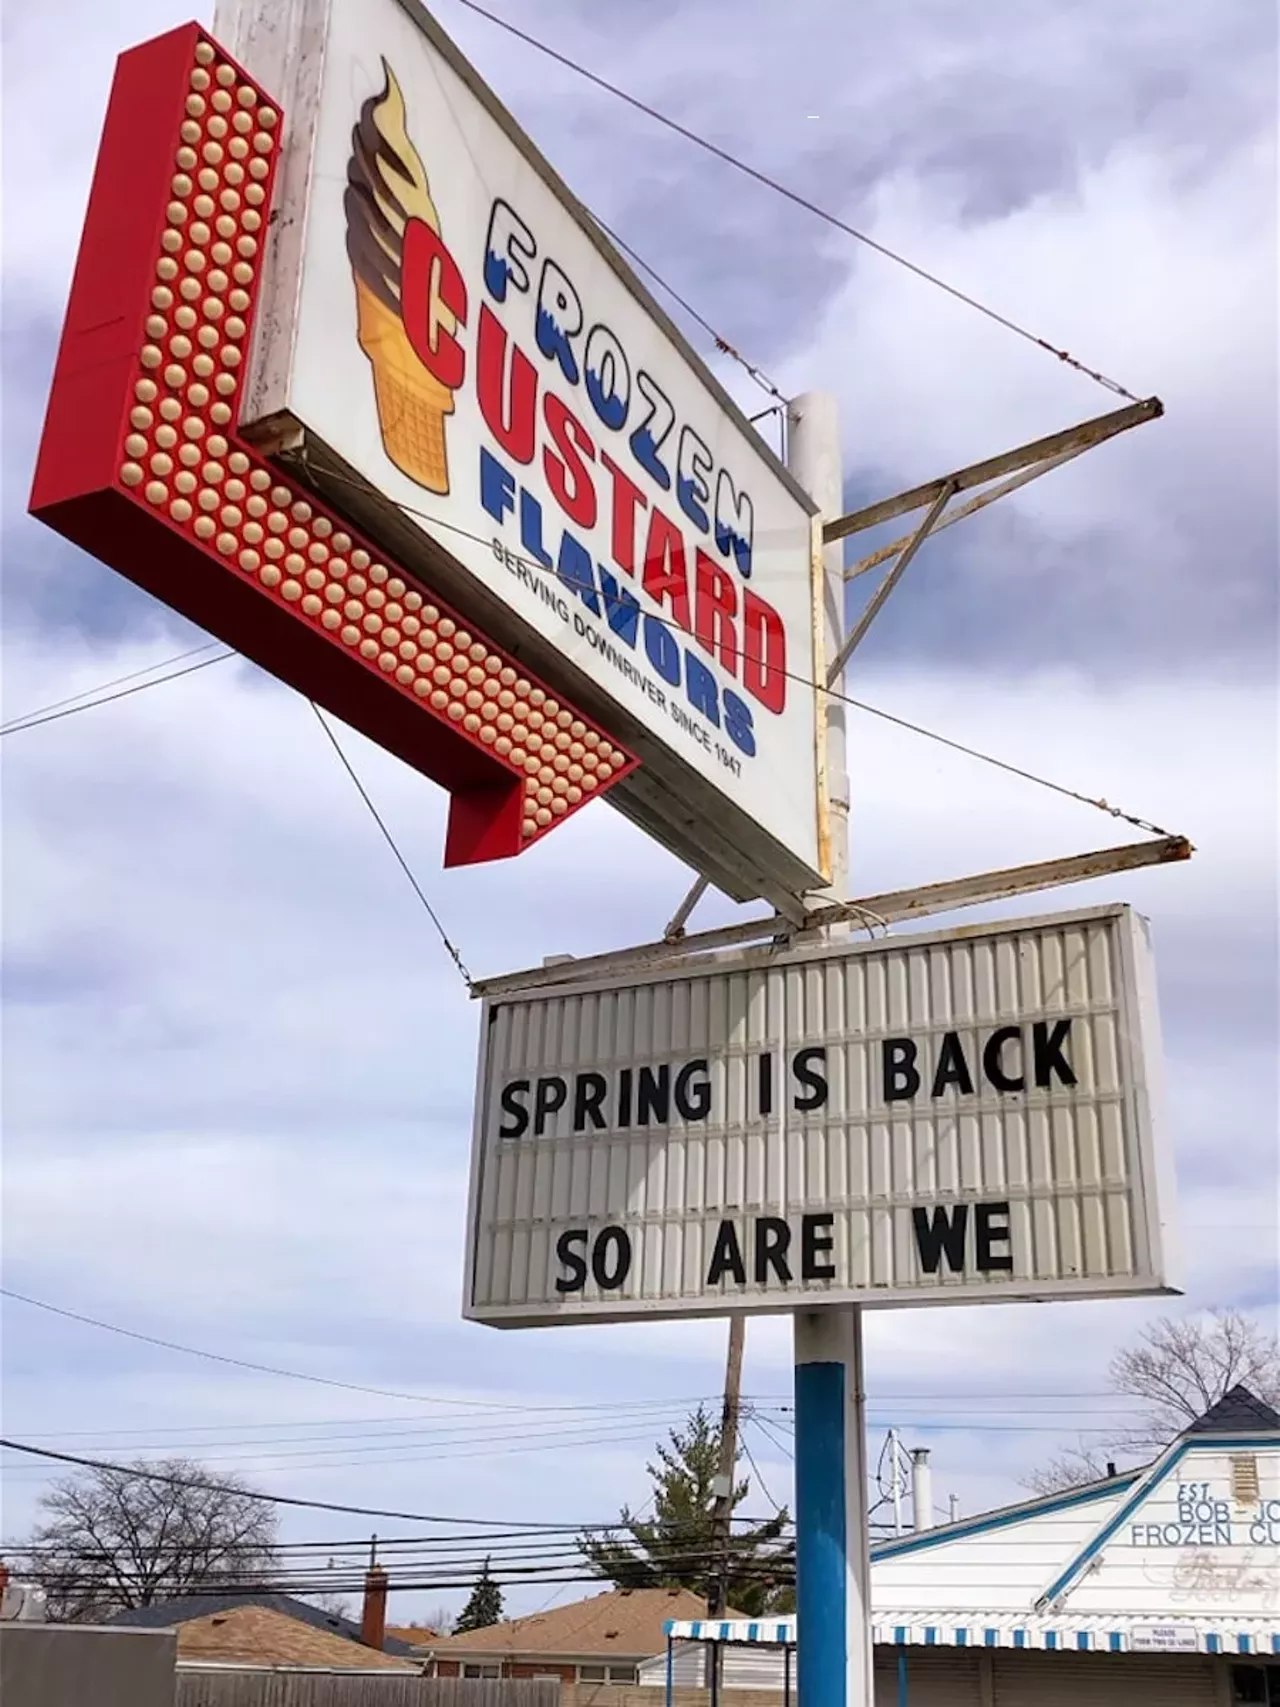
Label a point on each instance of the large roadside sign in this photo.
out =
(350, 379)
(958, 1117)
(454, 350)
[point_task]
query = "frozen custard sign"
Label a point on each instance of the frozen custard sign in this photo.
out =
(578, 436)
(491, 370)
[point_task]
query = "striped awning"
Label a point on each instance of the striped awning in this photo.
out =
(1242, 1635)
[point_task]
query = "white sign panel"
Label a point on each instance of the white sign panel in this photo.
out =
(946, 1118)
(1164, 1639)
(450, 325)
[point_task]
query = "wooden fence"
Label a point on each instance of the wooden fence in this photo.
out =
(332, 1689)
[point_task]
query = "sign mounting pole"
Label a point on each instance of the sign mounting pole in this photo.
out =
(833, 1573)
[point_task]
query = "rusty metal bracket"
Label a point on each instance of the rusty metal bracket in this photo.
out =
(680, 918)
(1081, 437)
(894, 907)
(875, 604)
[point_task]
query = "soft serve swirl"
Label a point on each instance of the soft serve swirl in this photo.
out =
(386, 187)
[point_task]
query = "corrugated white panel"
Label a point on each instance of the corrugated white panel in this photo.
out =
(757, 1668)
(945, 1117)
(742, 1668)
(1103, 1680)
(949, 1678)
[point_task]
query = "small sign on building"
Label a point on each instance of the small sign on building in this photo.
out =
(1164, 1639)
(962, 1116)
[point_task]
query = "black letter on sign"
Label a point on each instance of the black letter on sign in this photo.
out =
(991, 1064)
(941, 1232)
(953, 1069)
(653, 1095)
(991, 1228)
(518, 1125)
(588, 1093)
(898, 1061)
(572, 1260)
(693, 1101)
(773, 1236)
(815, 1083)
(1047, 1049)
(816, 1240)
(609, 1278)
(727, 1256)
(547, 1099)
(765, 1068)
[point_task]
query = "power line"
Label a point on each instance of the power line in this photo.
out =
(799, 200)
(132, 676)
(370, 1427)
(35, 720)
(615, 601)
(760, 1402)
(764, 1488)
(202, 1485)
(1099, 803)
(391, 843)
(721, 343)
(257, 1368)
(527, 1444)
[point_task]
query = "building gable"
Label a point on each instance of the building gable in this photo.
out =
(998, 1562)
(1199, 1532)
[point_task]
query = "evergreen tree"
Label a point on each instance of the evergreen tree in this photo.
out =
(677, 1547)
(484, 1606)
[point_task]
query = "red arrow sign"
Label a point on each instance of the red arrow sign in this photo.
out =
(142, 465)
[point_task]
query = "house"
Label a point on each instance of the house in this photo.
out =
(419, 1638)
(1160, 1585)
(263, 1639)
(600, 1640)
(266, 1630)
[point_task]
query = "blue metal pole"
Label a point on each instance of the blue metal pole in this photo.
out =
(833, 1651)
(671, 1670)
(903, 1684)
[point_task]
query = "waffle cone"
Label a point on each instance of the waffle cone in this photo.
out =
(412, 404)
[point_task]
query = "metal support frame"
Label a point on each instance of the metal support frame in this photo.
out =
(680, 918)
(874, 559)
(856, 634)
(891, 908)
(1073, 439)
(1020, 466)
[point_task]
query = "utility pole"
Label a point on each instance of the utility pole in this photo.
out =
(722, 1510)
(833, 1566)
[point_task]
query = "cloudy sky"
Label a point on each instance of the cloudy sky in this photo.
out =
(237, 1066)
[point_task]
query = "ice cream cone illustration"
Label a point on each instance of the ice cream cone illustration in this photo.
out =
(386, 187)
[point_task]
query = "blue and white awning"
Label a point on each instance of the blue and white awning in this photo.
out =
(1242, 1635)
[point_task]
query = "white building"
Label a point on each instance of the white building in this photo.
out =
(1156, 1588)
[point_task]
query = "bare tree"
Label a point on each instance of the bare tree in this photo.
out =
(114, 1539)
(1073, 1467)
(336, 1605)
(1178, 1369)
(437, 1618)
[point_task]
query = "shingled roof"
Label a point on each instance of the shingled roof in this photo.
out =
(629, 1624)
(1238, 1411)
(261, 1636)
(166, 1614)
